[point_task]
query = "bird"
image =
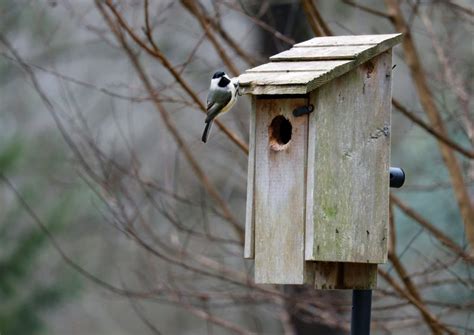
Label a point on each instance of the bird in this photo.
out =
(220, 99)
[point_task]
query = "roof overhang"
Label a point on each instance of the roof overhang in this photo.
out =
(313, 63)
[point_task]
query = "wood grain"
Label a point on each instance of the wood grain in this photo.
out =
(249, 244)
(313, 63)
(354, 276)
(280, 196)
(351, 144)
(298, 66)
(317, 211)
(273, 89)
(350, 40)
(308, 81)
(278, 78)
(321, 53)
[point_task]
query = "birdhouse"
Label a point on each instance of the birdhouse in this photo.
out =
(318, 173)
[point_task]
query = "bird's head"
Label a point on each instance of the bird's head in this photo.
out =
(218, 75)
(221, 78)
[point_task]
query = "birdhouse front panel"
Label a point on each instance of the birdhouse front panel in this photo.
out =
(279, 190)
(318, 181)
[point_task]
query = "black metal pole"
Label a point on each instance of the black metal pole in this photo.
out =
(361, 309)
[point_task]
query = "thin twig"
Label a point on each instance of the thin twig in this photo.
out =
(422, 308)
(452, 80)
(156, 53)
(392, 255)
(202, 16)
(366, 9)
(202, 177)
(437, 134)
(319, 26)
(438, 234)
(193, 9)
(429, 106)
(278, 35)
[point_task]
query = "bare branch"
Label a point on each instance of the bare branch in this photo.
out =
(366, 9)
(278, 35)
(439, 235)
(156, 52)
(434, 322)
(202, 177)
(429, 106)
(193, 8)
(320, 28)
(197, 10)
(439, 136)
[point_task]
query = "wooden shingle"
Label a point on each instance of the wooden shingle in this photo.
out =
(313, 63)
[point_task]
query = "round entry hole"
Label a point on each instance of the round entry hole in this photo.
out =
(280, 131)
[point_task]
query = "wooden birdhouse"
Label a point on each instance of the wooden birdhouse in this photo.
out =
(318, 173)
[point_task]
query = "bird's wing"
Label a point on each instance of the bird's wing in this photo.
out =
(214, 111)
(216, 100)
(221, 97)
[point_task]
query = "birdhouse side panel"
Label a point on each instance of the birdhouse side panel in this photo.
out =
(279, 191)
(249, 244)
(349, 150)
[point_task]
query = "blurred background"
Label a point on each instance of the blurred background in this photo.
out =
(116, 219)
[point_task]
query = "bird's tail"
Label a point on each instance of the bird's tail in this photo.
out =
(207, 131)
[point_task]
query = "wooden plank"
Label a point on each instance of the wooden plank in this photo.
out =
(319, 79)
(327, 275)
(360, 276)
(333, 275)
(277, 78)
(298, 66)
(310, 187)
(249, 245)
(351, 40)
(352, 150)
(321, 53)
(330, 75)
(273, 89)
(298, 84)
(360, 52)
(279, 196)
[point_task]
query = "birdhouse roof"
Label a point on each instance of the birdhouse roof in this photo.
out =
(313, 63)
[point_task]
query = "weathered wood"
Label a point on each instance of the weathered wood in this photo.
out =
(298, 66)
(310, 186)
(360, 276)
(267, 83)
(329, 75)
(359, 52)
(334, 60)
(351, 40)
(351, 146)
(249, 244)
(280, 196)
(262, 85)
(278, 78)
(327, 275)
(354, 276)
(317, 207)
(322, 53)
(273, 89)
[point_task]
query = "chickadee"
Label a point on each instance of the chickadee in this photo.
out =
(222, 96)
